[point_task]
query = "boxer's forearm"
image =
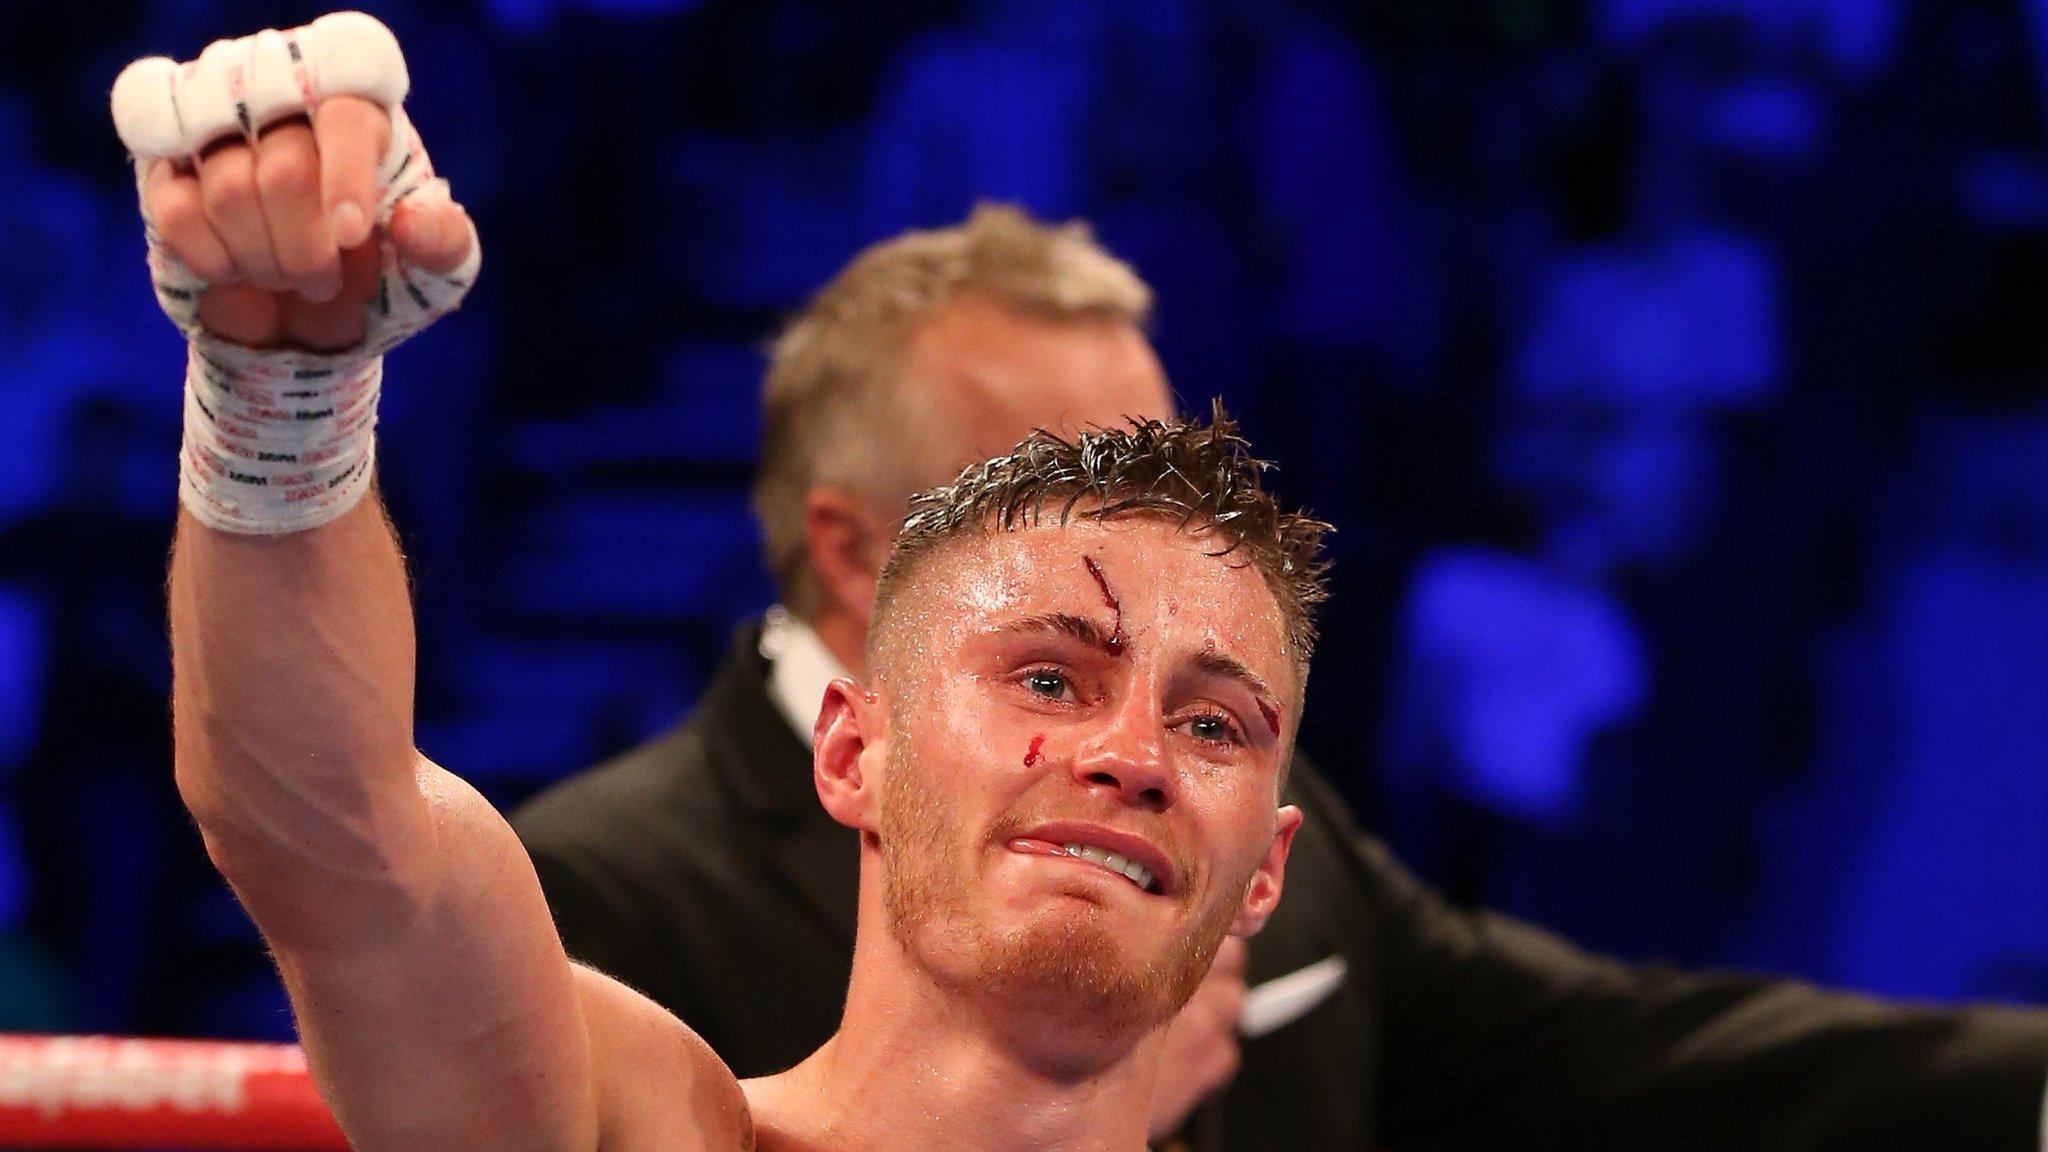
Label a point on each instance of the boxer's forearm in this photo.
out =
(434, 999)
(429, 987)
(292, 699)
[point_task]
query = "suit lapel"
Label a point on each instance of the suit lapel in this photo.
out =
(767, 768)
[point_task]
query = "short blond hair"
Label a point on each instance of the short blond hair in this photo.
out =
(1200, 477)
(830, 409)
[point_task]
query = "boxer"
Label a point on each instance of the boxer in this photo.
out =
(1086, 665)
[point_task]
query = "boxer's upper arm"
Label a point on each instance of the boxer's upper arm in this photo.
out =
(441, 1012)
(658, 1084)
(434, 1000)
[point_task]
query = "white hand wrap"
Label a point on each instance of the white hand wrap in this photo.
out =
(280, 441)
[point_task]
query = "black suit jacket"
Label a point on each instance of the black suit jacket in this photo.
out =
(700, 869)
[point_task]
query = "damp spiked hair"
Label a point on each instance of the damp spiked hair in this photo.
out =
(1201, 476)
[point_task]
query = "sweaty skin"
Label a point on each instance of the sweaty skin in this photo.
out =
(1019, 1011)
(1001, 984)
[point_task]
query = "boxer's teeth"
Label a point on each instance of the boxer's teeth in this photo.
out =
(1130, 869)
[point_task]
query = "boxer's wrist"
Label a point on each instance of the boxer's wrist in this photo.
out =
(280, 441)
(276, 441)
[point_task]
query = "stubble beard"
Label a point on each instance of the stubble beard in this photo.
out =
(1069, 967)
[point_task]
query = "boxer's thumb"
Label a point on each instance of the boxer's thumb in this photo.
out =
(430, 231)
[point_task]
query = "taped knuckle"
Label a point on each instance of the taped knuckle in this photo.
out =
(402, 165)
(205, 93)
(254, 208)
(145, 116)
(273, 84)
(352, 53)
(241, 86)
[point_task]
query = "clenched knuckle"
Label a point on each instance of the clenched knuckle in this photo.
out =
(175, 210)
(287, 174)
(229, 193)
(183, 228)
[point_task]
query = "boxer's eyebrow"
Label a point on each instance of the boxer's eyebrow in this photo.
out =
(1062, 623)
(1222, 664)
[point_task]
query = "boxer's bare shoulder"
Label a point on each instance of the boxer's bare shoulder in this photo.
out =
(662, 1089)
(778, 1119)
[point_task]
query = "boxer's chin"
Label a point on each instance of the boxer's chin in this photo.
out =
(1075, 968)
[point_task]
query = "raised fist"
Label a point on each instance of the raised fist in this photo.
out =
(289, 201)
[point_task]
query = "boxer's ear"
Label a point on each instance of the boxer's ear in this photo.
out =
(848, 747)
(1262, 895)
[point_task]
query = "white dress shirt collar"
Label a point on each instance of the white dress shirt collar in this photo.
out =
(800, 669)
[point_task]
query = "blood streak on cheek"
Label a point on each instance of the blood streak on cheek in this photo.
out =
(1272, 716)
(1031, 754)
(1116, 631)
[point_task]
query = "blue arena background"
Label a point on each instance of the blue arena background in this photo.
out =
(1673, 369)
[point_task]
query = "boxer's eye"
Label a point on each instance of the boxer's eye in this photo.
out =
(1050, 683)
(1213, 728)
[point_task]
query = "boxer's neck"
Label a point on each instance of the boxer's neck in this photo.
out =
(917, 1066)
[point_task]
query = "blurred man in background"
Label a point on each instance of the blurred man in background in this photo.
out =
(701, 869)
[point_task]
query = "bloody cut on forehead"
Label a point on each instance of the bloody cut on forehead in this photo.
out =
(1116, 631)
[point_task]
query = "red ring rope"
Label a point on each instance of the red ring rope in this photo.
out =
(109, 1092)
